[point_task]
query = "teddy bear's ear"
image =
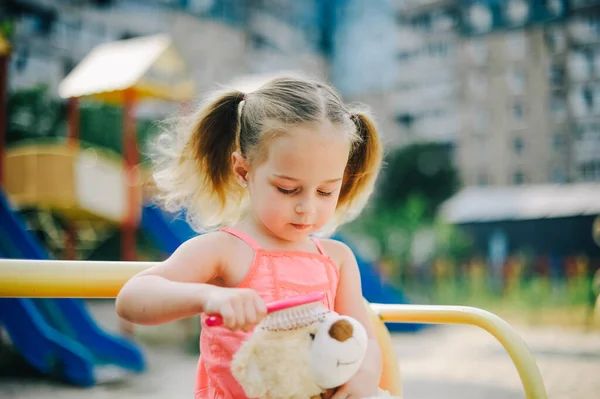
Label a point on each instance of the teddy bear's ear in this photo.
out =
(245, 369)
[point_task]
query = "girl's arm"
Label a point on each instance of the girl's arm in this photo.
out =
(180, 287)
(349, 301)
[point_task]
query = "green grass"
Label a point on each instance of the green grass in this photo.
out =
(537, 301)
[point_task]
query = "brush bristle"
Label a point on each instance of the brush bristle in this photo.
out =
(295, 318)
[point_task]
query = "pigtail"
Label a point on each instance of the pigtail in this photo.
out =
(214, 139)
(193, 170)
(362, 168)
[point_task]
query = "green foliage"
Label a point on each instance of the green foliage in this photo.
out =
(7, 28)
(402, 223)
(34, 115)
(423, 170)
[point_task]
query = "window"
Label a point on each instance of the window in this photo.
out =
(556, 74)
(478, 51)
(558, 141)
(581, 100)
(518, 111)
(516, 80)
(443, 21)
(558, 107)
(477, 85)
(103, 3)
(518, 178)
(584, 27)
(480, 17)
(580, 64)
(590, 171)
(482, 120)
(482, 179)
(422, 22)
(440, 49)
(517, 11)
(557, 176)
(516, 45)
(555, 7)
(518, 145)
(406, 120)
(261, 42)
(556, 40)
(594, 60)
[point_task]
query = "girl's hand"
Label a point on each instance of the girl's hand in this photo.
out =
(362, 385)
(240, 308)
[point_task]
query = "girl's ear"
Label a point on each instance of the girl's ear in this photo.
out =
(240, 168)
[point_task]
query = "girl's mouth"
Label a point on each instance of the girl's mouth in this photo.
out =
(301, 226)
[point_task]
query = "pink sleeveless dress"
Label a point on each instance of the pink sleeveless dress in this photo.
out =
(274, 275)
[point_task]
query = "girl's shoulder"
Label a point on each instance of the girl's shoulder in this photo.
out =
(338, 251)
(228, 255)
(218, 244)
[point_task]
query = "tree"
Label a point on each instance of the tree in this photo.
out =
(35, 115)
(420, 170)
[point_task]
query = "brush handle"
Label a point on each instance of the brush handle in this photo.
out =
(281, 304)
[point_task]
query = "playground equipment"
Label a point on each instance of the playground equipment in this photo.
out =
(59, 335)
(46, 278)
(41, 312)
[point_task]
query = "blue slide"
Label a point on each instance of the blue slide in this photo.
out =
(168, 233)
(57, 336)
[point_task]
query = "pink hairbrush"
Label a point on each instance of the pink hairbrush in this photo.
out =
(288, 313)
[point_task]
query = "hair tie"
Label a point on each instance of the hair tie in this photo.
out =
(245, 95)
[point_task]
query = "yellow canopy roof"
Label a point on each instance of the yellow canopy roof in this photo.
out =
(4, 45)
(150, 65)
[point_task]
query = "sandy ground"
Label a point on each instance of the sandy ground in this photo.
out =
(441, 362)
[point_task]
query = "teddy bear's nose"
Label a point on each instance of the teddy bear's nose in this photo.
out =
(341, 330)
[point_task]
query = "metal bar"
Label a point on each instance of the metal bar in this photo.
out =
(73, 122)
(97, 279)
(527, 368)
(21, 278)
(4, 58)
(130, 156)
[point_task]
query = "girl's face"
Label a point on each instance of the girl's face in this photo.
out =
(294, 192)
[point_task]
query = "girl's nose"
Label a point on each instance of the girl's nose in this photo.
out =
(305, 207)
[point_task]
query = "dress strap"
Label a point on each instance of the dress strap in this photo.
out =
(319, 246)
(242, 236)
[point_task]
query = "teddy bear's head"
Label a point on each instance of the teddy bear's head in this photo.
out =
(303, 362)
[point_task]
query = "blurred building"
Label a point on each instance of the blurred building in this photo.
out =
(219, 39)
(427, 85)
(363, 62)
(522, 80)
(51, 37)
(527, 90)
(513, 85)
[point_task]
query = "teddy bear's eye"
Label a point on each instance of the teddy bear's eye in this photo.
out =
(312, 336)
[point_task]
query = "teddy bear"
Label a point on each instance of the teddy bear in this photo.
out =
(302, 362)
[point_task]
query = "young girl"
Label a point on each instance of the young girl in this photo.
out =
(266, 170)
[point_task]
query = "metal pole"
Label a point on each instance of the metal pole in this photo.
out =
(130, 155)
(527, 368)
(3, 114)
(73, 122)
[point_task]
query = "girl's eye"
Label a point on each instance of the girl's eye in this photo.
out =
(284, 191)
(325, 194)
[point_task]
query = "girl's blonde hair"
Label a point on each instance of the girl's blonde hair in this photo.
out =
(193, 169)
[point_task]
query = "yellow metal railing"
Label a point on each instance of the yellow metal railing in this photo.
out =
(89, 279)
(65, 279)
(527, 368)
